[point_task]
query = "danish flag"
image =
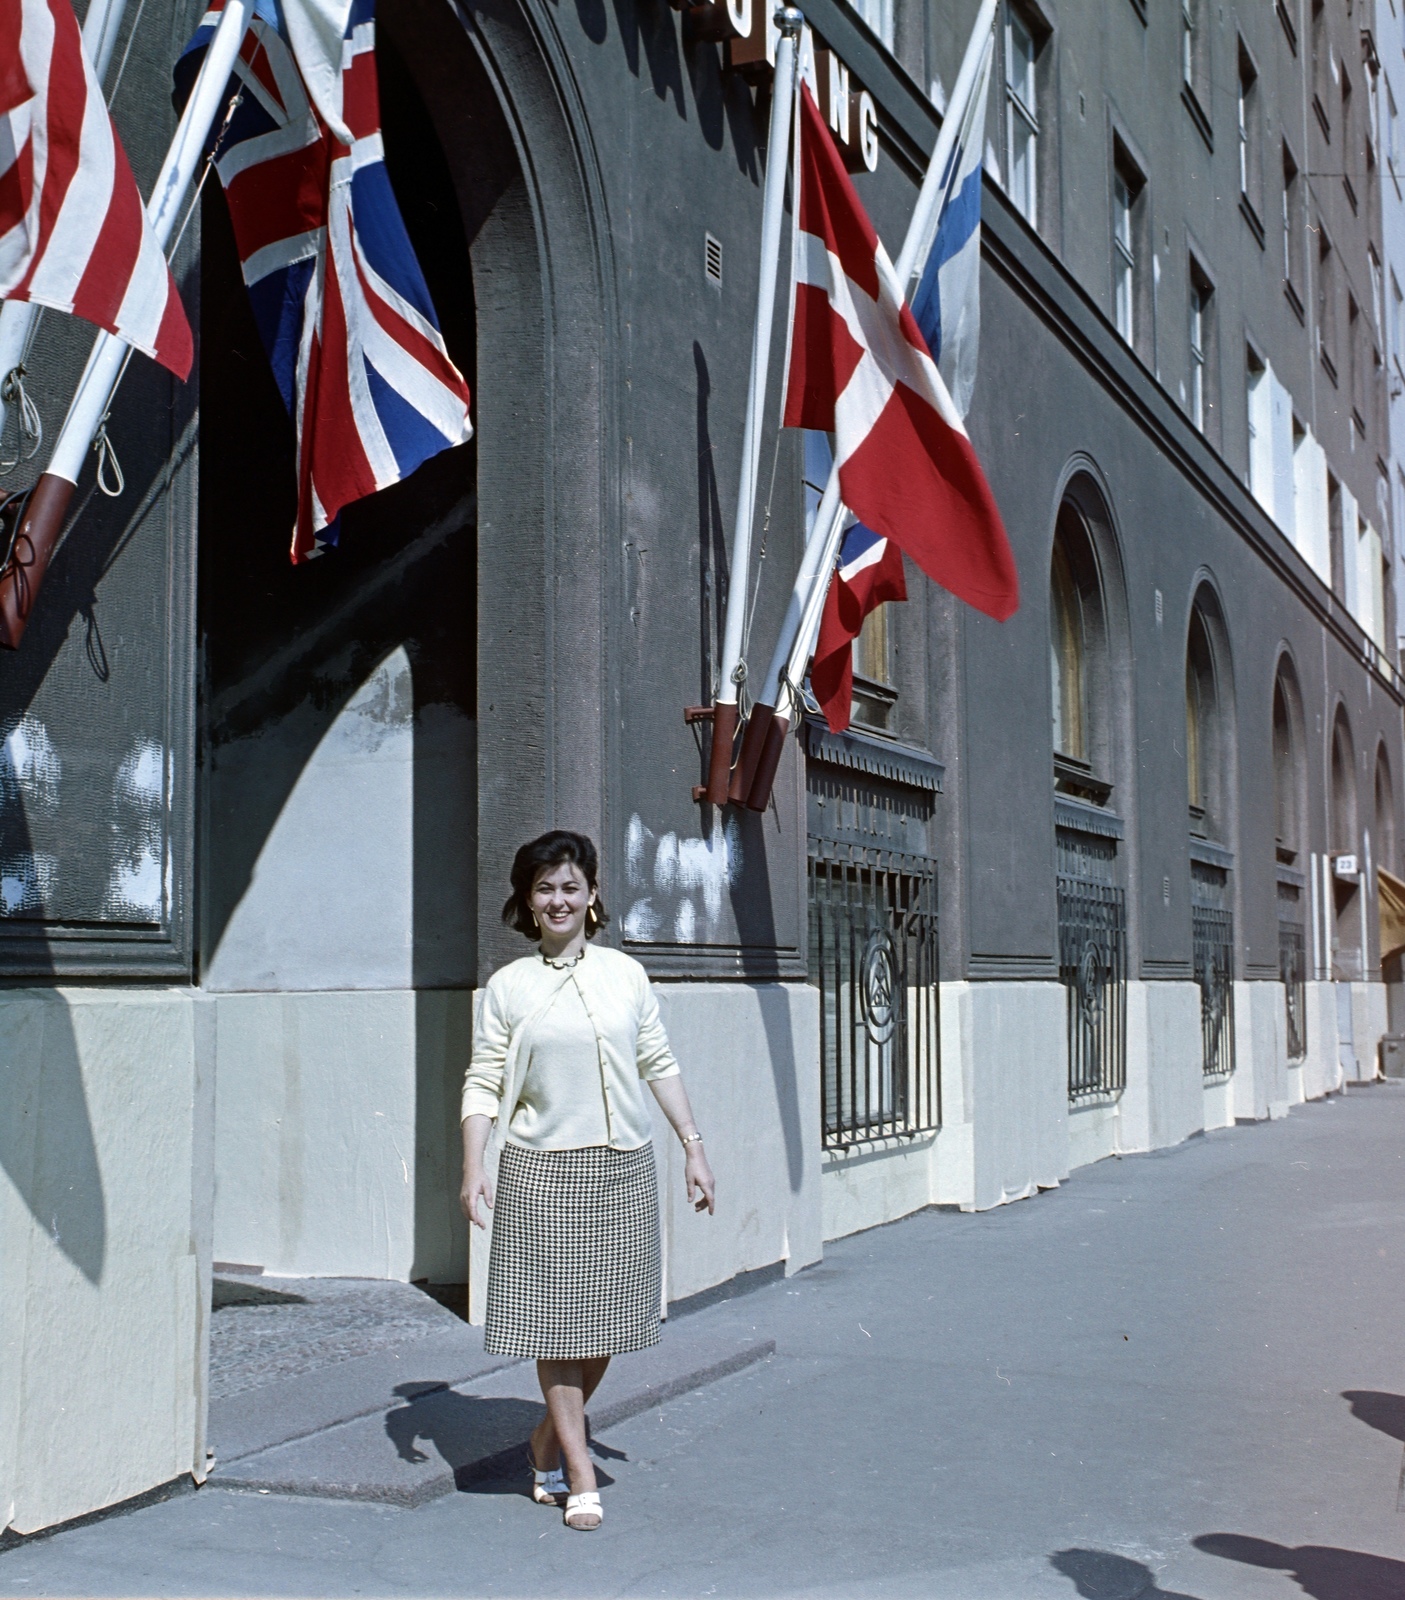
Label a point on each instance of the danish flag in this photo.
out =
(74, 234)
(870, 571)
(860, 367)
(339, 298)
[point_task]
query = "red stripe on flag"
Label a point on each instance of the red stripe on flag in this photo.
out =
(409, 337)
(17, 188)
(175, 346)
(100, 290)
(278, 198)
(918, 481)
(845, 607)
(361, 109)
(15, 87)
(823, 357)
(64, 105)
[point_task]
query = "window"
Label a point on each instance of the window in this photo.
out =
(1250, 155)
(1392, 132)
(1326, 303)
(1377, 289)
(1201, 295)
(1356, 369)
(1393, 312)
(1128, 251)
(1294, 232)
(1188, 43)
(1066, 658)
(1205, 754)
(1349, 151)
(1021, 115)
(1321, 66)
(878, 14)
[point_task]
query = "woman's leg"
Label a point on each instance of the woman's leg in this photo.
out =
(546, 1446)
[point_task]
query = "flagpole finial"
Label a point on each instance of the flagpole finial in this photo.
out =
(789, 21)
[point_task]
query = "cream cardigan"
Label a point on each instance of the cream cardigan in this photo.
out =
(632, 1049)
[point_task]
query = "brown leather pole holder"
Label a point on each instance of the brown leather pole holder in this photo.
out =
(719, 767)
(762, 783)
(758, 725)
(29, 548)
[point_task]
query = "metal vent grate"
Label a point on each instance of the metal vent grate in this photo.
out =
(712, 259)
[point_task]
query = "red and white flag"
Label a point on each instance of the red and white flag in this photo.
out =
(74, 234)
(859, 367)
(869, 574)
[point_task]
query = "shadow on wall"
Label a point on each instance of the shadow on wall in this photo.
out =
(46, 1134)
(1321, 1571)
(1101, 1575)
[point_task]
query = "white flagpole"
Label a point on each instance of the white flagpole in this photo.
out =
(775, 707)
(17, 317)
(732, 669)
(43, 516)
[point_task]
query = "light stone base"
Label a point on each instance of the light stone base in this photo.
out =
(337, 1143)
(104, 1248)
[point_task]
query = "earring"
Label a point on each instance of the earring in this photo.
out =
(592, 921)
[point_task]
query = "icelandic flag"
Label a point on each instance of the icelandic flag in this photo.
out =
(870, 572)
(859, 367)
(947, 300)
(339, 298)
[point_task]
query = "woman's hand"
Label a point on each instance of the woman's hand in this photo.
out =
(477, 1185)
(697, 1174)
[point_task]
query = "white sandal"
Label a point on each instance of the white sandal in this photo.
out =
(548, 1487)
(588, 1505)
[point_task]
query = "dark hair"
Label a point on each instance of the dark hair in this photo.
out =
(550, 850)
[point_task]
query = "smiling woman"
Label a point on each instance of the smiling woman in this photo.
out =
(565, 1042)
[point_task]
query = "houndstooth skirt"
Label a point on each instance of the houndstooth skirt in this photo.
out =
(574, 1266)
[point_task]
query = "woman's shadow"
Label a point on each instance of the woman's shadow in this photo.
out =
(483, 1440)
(1101, 1575)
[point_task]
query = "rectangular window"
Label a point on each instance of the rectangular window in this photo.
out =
(1392, 132)
(1188, 44)
(1321, 67)
(1250, 162)
(1326, 303)
(1294, 232)
(1348, 147)
(1377, 288)
(1124, 259)
(1395, 314)
(1021, 115)
(1200, 310)
(1260, 429)
(1356, 366)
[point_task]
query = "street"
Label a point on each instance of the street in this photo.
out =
(1178, 1375)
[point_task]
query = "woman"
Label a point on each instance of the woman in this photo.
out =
(565, 1040)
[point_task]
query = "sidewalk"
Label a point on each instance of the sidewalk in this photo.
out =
(1180, 1375)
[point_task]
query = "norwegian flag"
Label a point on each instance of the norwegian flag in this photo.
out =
(74, 234)
(339, 298)
(860, 367)
(870, 572)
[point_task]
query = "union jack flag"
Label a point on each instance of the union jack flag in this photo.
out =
(339, 298)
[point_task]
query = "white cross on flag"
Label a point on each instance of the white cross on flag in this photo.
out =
(859, 367)
(74, 234)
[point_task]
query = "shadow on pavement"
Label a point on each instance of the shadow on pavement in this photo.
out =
(1383, 1412)
(1320, 1570)
(1100, 1575)
(482, 1440)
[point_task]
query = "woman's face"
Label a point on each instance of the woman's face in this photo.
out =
(559, 899)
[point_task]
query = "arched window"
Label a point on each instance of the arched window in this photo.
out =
(1066, 661)
(1385, 812)
(1204, 736)
(1078, 661)
(1289, 770)
(1344, 833)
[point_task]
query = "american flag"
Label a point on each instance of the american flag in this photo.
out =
(74, 234)
(339, 298)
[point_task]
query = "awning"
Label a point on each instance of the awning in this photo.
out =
(1390, 891)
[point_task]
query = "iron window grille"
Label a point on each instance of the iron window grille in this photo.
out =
(1212, 932)
(1093, 965)
(873, 956)
(1292, 967)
